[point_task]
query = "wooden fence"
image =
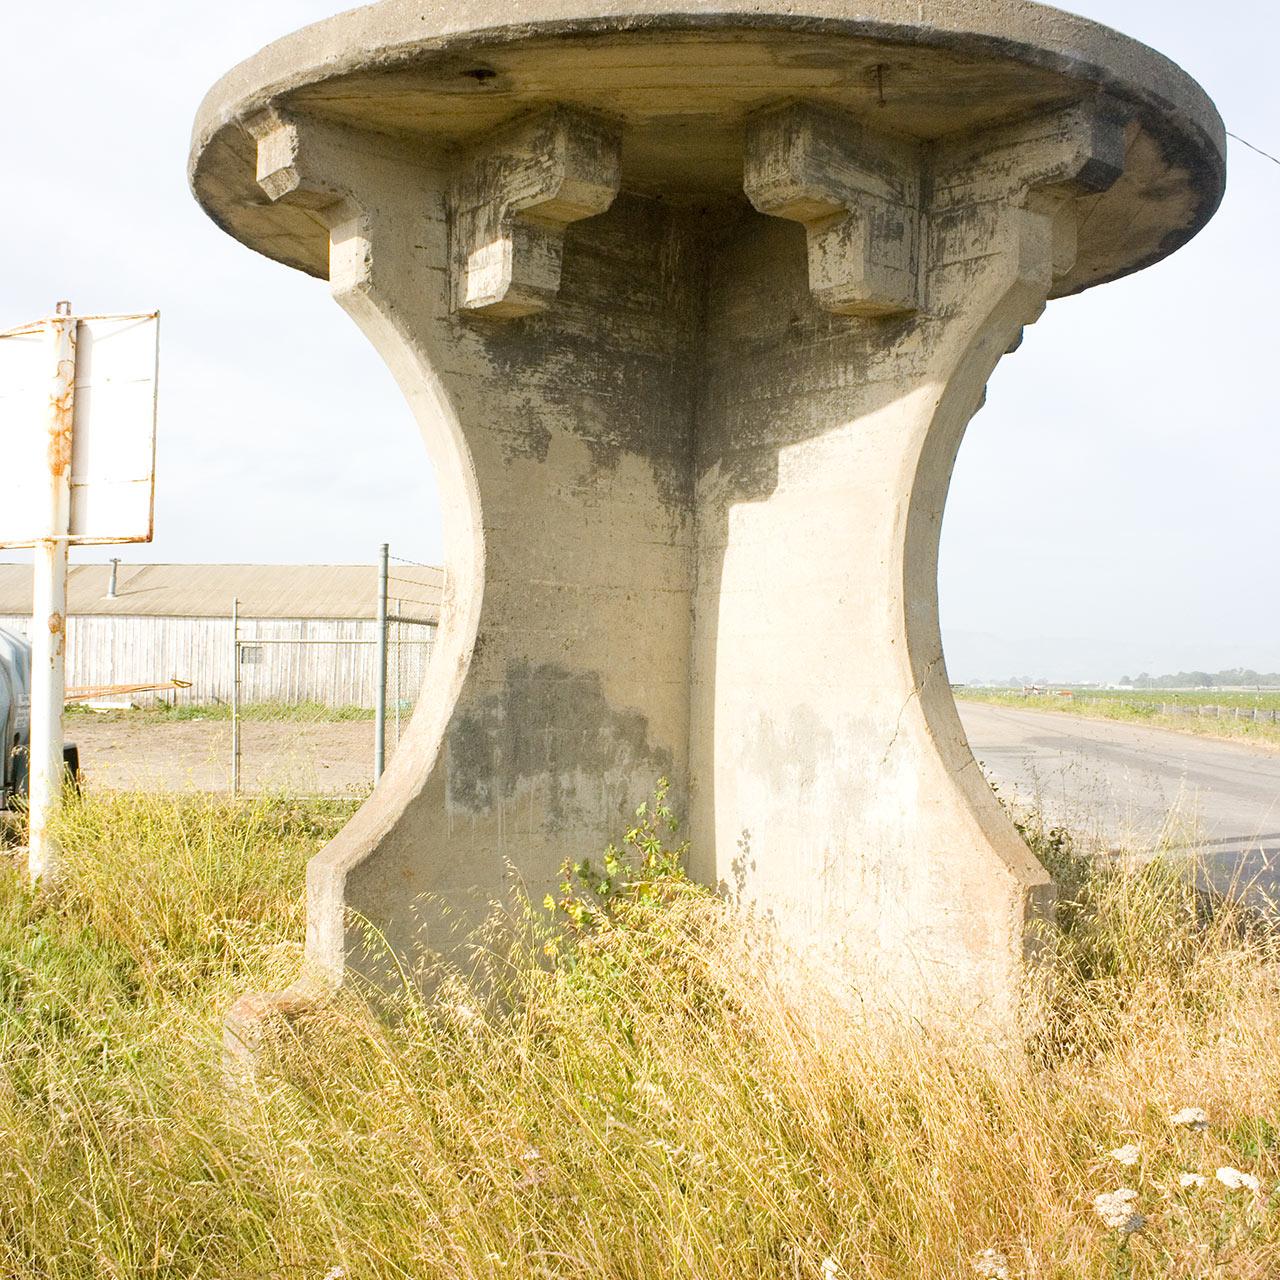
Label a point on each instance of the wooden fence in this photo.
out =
(1259, 715)
(118, 649)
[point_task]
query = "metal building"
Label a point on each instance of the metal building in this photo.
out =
(175, 620)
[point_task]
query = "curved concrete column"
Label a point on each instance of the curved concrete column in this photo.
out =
(559, 690)
(833, 785)
(693, 363)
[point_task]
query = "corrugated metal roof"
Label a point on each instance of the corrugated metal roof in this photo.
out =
(207, 590)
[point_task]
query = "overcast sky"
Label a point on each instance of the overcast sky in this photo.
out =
(1116, 503)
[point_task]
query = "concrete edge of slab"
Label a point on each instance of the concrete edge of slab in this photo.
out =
(397, 34)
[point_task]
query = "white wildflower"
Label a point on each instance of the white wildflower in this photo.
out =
(337, 1273)
(830, 1269)
(1191, 1179)
(1128, 1154)
(465, 1017)
(991, 1264)
(657, 1097)
(1116, 1209)
(1234, 1180)
(1190, 1118)
(535, 1171)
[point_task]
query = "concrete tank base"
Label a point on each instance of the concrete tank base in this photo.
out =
(693, 309)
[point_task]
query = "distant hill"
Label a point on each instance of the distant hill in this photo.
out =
(1232, 677)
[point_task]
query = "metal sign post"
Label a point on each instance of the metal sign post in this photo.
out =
(79, 468)
(235, 696)
(49, 603)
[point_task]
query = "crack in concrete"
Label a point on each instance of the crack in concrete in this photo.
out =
(902, 710)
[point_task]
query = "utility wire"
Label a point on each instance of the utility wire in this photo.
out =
(1259, 150)
(429, 606)
(407, 589)
(407, 602)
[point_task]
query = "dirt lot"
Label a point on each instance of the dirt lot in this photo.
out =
(195, 755)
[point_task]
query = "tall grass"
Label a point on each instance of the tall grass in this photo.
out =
(628, 1093)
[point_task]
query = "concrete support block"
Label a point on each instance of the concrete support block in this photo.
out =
(857, 196)
(308, 164)
(512, 198)
(1077, 151)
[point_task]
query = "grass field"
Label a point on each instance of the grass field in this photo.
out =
(638, 1104)
(1209, 712)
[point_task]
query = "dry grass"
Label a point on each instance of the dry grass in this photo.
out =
(640, 1103)
(1143, 708)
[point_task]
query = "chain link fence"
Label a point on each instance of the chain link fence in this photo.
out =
(408, 656)
(305, 710)
(296, 705)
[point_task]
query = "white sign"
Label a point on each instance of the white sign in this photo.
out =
(113, 441)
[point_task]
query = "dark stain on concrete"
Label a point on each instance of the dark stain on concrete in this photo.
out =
(555, 729)
(614, 362)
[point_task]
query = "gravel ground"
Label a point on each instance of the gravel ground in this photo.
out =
(329, 757)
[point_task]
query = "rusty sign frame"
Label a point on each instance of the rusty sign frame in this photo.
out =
(94, 471)
(66, 412)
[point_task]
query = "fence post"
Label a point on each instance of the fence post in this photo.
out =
(398, 612)
(380, 694)
(235, 696)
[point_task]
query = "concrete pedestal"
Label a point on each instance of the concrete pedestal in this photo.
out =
(693, 309)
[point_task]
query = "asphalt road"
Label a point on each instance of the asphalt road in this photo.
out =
(1126, 786)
